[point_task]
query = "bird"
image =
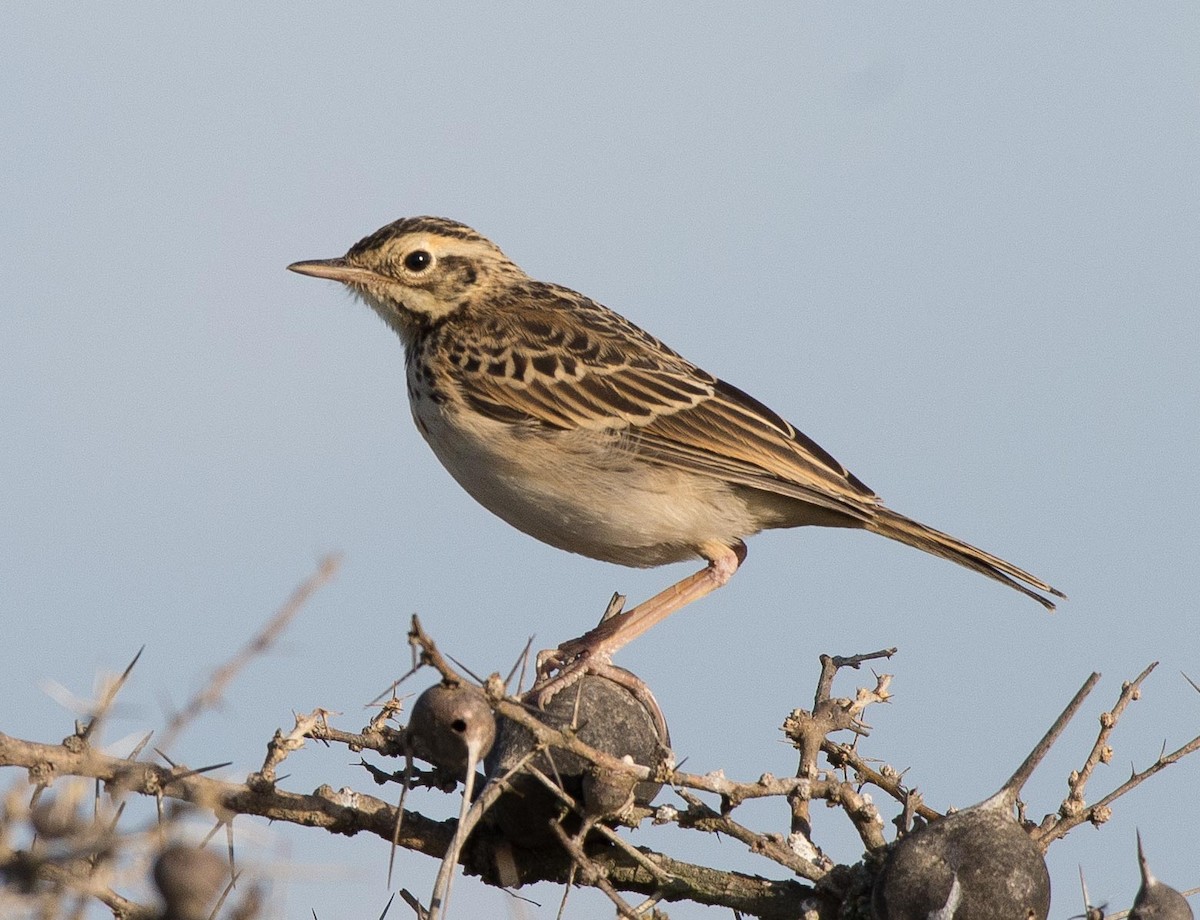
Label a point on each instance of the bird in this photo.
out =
(579, 428)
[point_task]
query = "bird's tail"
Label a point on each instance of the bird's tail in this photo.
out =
(896, 526)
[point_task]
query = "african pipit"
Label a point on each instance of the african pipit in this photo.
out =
(575, 426)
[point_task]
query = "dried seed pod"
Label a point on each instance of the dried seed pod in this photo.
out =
(617, 715)
(189, 880)
(452, 727)
(1156, 901)
(976, 864)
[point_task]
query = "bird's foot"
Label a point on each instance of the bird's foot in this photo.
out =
(559, 668)
(563, 667)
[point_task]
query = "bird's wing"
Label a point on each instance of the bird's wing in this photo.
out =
(589, 368)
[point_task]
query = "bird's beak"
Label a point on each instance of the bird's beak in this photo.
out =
(334, 270)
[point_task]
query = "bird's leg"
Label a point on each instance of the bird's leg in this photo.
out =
(598, 645)
(618, 631)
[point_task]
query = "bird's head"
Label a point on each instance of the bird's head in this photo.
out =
(417, 270)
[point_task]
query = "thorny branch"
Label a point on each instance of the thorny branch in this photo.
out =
(1074, 810)
(593, 855)
(809, 731)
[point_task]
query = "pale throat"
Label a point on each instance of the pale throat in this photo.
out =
(406, 309)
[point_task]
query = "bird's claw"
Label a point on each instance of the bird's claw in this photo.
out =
(562, 667)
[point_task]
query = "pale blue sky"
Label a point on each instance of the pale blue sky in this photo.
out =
(956, 245)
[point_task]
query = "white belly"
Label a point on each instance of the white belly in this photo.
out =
(584, 492)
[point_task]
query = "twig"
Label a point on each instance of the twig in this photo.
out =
(209, 695)
(604, 830)
(108, 698)
(702, 817)
(1054, 827)
(120, 906)
(831, 664)
(808, 731)
(1074, 811)
(844, 756)
(593, 874)
(1021, 775)
(281, 745)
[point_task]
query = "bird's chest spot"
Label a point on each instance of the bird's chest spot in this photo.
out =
(426, 392)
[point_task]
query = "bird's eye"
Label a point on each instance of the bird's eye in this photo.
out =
(418, 260)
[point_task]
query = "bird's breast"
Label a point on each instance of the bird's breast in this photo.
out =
(585, 491)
